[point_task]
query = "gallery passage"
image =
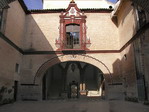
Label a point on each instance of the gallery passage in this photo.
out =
(73, 79)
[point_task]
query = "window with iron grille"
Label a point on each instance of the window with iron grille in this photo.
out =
(72, 40)
(72, 30)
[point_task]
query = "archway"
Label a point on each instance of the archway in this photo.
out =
(82, 58)
(73, 79)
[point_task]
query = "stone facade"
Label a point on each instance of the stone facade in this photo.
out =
(28, 50)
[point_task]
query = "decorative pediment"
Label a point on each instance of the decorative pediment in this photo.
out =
(72, 10)
(74, 6)
(72, 29)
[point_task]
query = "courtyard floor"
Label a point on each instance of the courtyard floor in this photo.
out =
(74, 105)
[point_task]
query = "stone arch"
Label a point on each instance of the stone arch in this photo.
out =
(64, 58)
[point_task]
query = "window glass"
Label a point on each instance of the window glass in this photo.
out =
(72, 36)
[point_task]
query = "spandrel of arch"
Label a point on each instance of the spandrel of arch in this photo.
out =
(64, 58)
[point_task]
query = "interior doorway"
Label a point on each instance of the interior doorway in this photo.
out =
(73, 79)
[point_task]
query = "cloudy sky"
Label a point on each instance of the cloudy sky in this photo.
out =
(37, 4)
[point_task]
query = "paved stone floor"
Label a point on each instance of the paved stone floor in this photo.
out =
(74, 106)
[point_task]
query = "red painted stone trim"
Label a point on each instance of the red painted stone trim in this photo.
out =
(65, 20)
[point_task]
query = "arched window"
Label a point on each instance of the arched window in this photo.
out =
(72, 36)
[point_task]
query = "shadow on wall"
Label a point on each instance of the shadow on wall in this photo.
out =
(124, 76)
(35, 44)
(35, 39)
(126, 12)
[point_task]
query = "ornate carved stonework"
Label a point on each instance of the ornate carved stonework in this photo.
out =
(72, 15)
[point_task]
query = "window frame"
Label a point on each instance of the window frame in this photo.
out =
(72, 15)
(73, 44)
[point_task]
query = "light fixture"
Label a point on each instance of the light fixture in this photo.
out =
(88, 43)
(73, 67)
(125, 57)
(57, 42)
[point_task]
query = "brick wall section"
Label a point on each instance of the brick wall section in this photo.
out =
(127, 23)
(43, 28)
(15, 23)
(9, 56)
(37, 32)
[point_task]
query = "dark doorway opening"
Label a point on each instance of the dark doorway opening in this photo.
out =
(73, 79)
(15, 90)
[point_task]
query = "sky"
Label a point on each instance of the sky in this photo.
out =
(37, 4)
(33, 4)
(114, 1)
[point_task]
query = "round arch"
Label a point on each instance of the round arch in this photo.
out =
(64, 58)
